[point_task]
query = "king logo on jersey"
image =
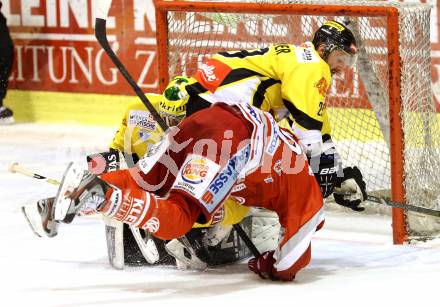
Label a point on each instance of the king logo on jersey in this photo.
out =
(195, 170)
(195, 175)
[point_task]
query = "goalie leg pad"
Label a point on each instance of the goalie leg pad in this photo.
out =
(115, 246)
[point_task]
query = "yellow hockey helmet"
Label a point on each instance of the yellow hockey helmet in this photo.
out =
(172, 106)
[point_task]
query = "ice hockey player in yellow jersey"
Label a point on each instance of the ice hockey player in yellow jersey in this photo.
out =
(290, 82)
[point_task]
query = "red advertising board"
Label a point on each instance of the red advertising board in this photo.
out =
(56, 49)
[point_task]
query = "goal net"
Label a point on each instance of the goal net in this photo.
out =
(383, 116)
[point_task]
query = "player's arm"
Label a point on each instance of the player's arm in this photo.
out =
(115, 158)
(303, 87)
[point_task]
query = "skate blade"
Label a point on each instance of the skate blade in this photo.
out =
(33, 219)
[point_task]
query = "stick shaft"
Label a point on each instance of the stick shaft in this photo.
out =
(15, 168)
(101, 36)
(408, 207)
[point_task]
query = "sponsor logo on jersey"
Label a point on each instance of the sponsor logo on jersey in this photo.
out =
(223, 182)
(144, 135)
(195, 175)
(305, 55)
(238, 187)
(208, 72)
(195, 170)
(113, 162)
(130, 210)
(253, 113)
(322, 86)
(142, 119)
(274, 138)
(211, 74)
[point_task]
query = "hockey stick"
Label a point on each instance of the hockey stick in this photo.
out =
(101, 36)
(15, 168)
(408, 207)
(246, 240)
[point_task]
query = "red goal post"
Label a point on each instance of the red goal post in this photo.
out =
(172, 41)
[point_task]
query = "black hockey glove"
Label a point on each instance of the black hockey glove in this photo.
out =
(351, 191)
(326, 168)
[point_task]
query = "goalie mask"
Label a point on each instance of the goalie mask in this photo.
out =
(336, 36)
(172, 107)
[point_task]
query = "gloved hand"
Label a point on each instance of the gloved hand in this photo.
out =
(326, 167)
(263, 265)
(351, 191)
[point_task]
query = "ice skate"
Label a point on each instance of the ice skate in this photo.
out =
(39, 215)
(6, 116)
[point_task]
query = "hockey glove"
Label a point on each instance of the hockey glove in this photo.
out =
(351, 191)
(263, 265)
(79, 192)
(326, 168)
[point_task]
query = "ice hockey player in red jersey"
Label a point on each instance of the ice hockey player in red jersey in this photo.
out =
(221, 151)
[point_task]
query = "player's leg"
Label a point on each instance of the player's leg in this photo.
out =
(6, 59)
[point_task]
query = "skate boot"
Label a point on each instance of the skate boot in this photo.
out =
(6, 116)
(39, 216)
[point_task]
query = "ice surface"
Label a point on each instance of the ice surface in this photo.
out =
(354, 262)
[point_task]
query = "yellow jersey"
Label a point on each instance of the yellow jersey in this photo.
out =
(139, 131)
(286, 80)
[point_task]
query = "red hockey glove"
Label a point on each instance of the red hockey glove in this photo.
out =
(263, 265)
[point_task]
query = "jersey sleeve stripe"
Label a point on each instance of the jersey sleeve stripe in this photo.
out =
(302, 118)
(238, 75)
(243, 53)
(261, 91)
(292, 250)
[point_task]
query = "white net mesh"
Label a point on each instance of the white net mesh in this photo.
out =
(358, 101)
